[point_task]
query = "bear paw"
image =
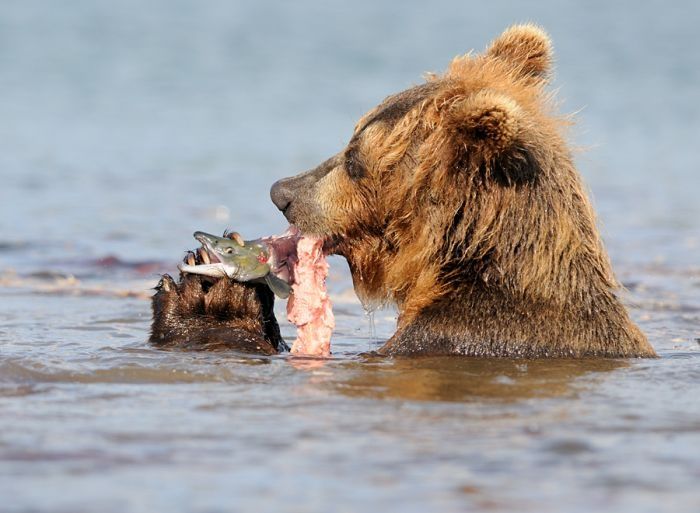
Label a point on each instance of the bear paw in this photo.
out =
(206, 314)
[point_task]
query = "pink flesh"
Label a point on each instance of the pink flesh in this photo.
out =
(309, 307)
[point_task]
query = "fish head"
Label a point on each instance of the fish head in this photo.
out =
(241, 260)
(218, 247)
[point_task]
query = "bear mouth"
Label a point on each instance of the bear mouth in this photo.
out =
(299, 260)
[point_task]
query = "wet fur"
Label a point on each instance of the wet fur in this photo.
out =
(195, 314)
(458, 200)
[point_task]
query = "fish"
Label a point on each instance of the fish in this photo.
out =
(241, 260)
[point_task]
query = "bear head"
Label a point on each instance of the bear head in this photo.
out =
(464, 179)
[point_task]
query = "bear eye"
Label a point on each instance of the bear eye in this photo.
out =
(353, 166)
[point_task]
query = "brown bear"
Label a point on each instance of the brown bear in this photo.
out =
(458, 200)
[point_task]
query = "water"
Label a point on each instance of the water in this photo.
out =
(128, 125)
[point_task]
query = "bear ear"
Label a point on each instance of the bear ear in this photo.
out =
(486, 121)
(490, 131)
(528, 47)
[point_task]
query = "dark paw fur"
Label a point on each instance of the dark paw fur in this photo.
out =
(198, 313)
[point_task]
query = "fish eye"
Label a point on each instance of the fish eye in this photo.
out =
(229, 250)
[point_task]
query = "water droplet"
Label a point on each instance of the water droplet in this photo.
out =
(369, 314)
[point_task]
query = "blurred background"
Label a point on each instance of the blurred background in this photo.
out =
(127, 125)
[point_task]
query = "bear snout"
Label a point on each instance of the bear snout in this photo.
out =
(295, 193)
(282, 194)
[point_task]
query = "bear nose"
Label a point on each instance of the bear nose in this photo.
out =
(281, 194)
